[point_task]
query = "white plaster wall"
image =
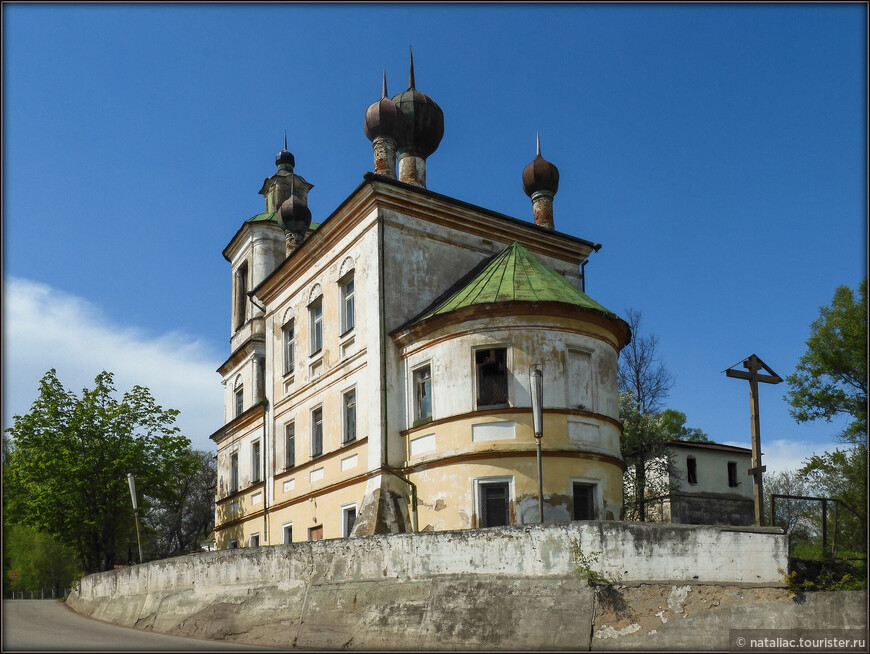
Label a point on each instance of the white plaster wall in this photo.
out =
(712, 468)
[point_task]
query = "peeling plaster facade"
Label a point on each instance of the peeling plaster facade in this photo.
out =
(347, 414)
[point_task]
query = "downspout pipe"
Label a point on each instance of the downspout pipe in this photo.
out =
(383, 334)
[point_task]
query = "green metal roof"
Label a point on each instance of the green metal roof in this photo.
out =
(514, 275)
(273, 217)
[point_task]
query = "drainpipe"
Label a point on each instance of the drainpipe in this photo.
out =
(383, 333)
(583, 274)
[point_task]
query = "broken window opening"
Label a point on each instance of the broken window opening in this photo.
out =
(492, 377)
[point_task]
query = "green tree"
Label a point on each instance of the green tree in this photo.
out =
(182, 513)
(831, 380)
(674, 424)
(40, 561)
(644, 382)
(66, 472)
(831, 377)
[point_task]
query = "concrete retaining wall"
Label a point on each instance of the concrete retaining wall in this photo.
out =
(506, 587)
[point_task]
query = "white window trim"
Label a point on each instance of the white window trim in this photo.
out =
(344, 394)
(288, 371)
(597, 499)
(412, 392)
(341, 512)
(287, 424)
(312, 328)
(256, 535)
(256, 463)
(284, 532)
(509, 365)
(477, 482)
(311, 431)
(344, 331)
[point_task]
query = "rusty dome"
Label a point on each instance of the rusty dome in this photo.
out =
(382, 117)
(540, 175)
(421, 124)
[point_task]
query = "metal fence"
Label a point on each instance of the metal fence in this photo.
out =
(42, 593)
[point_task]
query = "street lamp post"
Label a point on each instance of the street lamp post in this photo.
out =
(536, 386)
(132, 481)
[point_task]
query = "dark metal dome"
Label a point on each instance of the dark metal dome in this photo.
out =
(540, 175)
(285, 157)
(382, 117)
(421, 124)
(294, 216)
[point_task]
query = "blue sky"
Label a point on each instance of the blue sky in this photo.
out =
(717, 151)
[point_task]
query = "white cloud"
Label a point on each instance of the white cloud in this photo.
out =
(786, 454)
(45, 328)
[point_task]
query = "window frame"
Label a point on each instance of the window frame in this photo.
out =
(254, 539)
(479, 482)
(290, 450)
(288, 347)
(256, 466)
(234, 473)
(315, 326)
(346, 436)
(284, 529)
(732, 475)
(344, 509)
(692, 470)
(417, 398)
(241, 296)
(478, 376)
(597, 505)
(347, 304)
(316, 417)
(239, 400)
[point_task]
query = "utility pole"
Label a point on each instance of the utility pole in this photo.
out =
(753, 364)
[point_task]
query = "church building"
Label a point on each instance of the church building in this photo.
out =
(380, 360)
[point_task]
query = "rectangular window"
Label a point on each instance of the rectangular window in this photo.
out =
(289, 347)
(315, 533)
(254, 540)
(315, 314)
(241, 295)
(240, 401)
(317, 432)
(348, 518)
(584, 501)
(233, 544)
(492, 377)
(692, 467)
(287, 533)
(580, 380)
(732, 474)
(422, 395)
(349, 410)
(255, 462)
(234, 472)
(347, 317)
(494, 504)
(289, 445)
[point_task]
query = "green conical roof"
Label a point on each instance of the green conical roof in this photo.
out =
(514, 275)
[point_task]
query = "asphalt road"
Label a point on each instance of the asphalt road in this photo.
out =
(49, 626)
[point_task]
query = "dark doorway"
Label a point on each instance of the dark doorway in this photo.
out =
(584, 501)
(494, 505)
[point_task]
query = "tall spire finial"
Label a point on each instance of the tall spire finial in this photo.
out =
(385, 83)
(539, 143)
(411, 70)
(285, 139)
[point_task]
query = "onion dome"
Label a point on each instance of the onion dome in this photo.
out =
(540, 175)
(285, 158)
(382, 117)
(422, 121)
(294, 216)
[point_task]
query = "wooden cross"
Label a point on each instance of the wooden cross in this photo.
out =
(753, 364)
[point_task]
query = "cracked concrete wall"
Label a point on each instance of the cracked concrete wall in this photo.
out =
(499, 588)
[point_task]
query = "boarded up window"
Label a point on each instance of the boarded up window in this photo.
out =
(580, 380)
(315, 533)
